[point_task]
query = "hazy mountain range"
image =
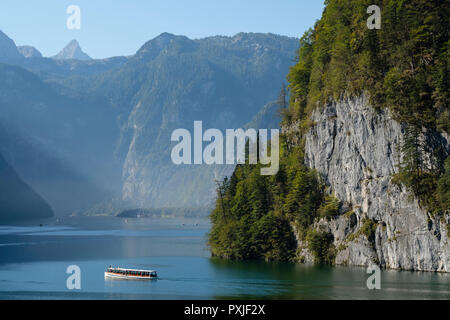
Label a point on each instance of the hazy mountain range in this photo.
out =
(95, 134)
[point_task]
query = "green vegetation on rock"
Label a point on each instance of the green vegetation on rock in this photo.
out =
(255, 215)
(320, 244)
(403, 67)
(368, 229)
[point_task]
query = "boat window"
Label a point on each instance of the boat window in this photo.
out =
(130, 272)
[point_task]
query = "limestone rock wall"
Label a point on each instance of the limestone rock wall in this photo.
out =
(353, 147)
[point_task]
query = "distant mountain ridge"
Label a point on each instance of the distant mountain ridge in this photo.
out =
(50, 69)
(223, 81)
(113, 117)
(61, 146)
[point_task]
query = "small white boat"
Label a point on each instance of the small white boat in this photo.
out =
(133, 274)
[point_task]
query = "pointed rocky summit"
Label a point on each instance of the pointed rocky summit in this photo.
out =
(72, 51)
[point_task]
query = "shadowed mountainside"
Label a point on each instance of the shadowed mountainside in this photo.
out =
(17, 200)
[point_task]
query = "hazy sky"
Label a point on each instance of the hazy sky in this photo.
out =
(111, 28)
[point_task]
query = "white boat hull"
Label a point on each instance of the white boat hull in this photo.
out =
(109, 275)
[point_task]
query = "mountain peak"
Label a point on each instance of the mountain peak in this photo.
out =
(72, 51)
(8, 48)
(162, 42)
(165, 35)
(29, 52)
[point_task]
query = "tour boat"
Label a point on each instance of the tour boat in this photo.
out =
(121, 273)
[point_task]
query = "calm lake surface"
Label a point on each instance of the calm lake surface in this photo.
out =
(34, 259)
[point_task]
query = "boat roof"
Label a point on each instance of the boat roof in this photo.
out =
(126, 269)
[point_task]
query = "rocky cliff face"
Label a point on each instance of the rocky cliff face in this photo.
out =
(353, 147)
(173, 81)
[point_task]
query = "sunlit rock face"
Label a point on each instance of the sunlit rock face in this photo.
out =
(354, 148)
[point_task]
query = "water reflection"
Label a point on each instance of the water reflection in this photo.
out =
(296, 281)
(33, 261)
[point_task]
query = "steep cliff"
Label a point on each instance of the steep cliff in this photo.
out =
(173, 81)
(355, 149)
(364, 170)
